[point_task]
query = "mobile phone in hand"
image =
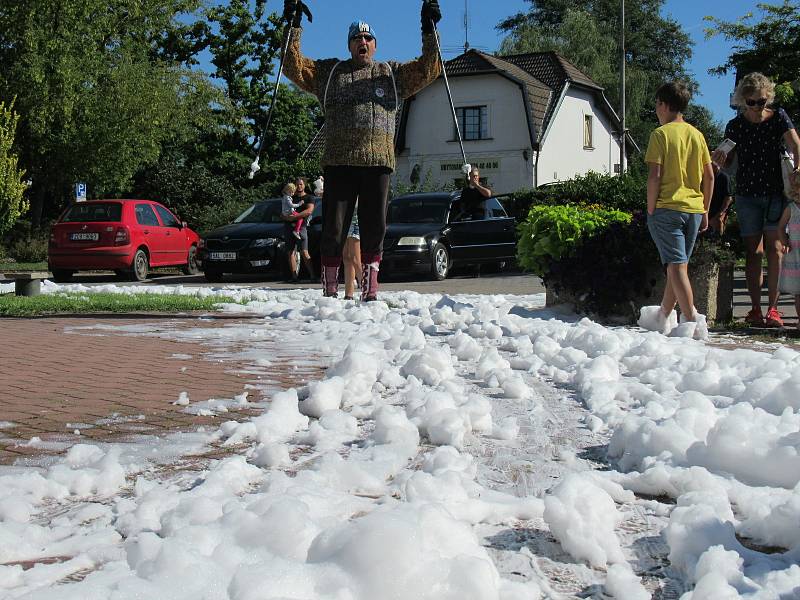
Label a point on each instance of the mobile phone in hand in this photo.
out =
(726, 146)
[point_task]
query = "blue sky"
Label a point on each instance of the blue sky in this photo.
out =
(397, 27)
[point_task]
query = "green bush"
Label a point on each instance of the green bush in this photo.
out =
(30, 249)
(553, 232)
(620, 264)
(627, 193)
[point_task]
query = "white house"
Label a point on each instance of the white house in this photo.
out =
(526, 120)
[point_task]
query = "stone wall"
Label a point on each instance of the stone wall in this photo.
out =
(712, 285)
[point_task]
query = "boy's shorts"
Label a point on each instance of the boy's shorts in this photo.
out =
(757, 214)
(674, 233)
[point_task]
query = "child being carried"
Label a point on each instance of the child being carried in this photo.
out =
(289, 207)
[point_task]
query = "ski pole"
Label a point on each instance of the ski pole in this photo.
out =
(254, 166)
(465, 168)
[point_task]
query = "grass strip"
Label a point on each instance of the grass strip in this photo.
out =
(103, 302)
(14, 267)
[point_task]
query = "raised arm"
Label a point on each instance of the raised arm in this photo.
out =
(414, 75)
(299, 69)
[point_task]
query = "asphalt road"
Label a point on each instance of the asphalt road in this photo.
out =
(467, 281)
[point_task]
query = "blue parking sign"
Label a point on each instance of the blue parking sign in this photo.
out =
(80, 192)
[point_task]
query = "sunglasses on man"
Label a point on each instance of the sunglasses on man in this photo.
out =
(759, 102)
(363, 36)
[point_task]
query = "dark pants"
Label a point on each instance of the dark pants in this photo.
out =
(343, 186)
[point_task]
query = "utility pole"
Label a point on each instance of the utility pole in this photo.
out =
(623, 131)
(466, 27)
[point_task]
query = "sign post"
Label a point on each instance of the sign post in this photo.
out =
(80, 192)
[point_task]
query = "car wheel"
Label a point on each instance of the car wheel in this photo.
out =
(191, 268)
(140, 266)
(213, 276)
(286, 270)
(62, 275)
(440, 262)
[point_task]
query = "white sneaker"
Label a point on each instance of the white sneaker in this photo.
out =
(700, 329)
(684, 330)
(653, 318)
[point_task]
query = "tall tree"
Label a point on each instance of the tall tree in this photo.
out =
(244, 41)
(586, 32)
(96, 96)
(204, 176)
(771, 46)
(12, 186)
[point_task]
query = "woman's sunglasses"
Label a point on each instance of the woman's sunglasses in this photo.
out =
(759, 102)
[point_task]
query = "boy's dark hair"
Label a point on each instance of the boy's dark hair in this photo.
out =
(674, 94)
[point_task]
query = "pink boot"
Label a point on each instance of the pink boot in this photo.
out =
(330, 281)
(369, 281)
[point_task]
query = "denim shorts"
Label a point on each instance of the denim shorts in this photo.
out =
(353, 232)
(674, 233)
(757, 214)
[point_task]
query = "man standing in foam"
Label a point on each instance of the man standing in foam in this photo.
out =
(360, 97)
(679, 188)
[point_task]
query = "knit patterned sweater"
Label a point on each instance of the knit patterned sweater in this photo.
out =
(361, 101)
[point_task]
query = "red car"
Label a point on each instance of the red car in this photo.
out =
(127, 236)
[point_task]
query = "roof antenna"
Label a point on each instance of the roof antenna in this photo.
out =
(466, 27)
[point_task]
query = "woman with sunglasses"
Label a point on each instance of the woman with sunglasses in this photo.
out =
(760, 133)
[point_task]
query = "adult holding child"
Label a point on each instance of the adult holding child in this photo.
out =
(298, 238)
(760, 132)
(679, 188)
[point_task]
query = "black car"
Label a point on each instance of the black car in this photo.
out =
(434, 232)
(253, 243)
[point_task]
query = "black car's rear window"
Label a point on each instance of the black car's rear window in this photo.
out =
(268, 211)
(88, 213)
(417, 210)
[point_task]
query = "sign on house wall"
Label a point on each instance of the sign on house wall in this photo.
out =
(491, 164)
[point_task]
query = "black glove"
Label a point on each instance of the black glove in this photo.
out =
(293, 12)
(430, 15)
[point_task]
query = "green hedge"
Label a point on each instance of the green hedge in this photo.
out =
(554, 232)
(627, 193)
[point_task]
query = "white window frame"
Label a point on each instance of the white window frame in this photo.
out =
(588, 131)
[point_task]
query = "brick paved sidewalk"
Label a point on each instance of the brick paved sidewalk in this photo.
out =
(110, 386)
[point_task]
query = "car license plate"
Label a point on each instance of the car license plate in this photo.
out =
(223, 256)
(93, 237)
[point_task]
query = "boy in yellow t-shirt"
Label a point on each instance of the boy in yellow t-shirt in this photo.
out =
(679, 188)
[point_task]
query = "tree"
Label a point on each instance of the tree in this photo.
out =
(96, 96)
(204, 175)
(703, 119)
(244, 42)
(12, 186)
(771, 46)
(587, 34)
